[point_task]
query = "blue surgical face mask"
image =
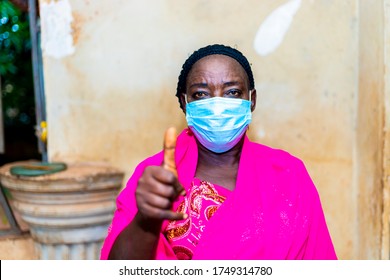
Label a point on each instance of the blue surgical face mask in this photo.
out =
(219, 122)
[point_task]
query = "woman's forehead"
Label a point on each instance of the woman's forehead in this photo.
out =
(217, 66)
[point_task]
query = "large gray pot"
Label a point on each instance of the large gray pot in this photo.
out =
(68, 212)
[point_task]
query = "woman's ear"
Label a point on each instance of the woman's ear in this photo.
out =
(183, 102)
(253, 99)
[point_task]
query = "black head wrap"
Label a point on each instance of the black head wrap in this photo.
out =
(210, 50)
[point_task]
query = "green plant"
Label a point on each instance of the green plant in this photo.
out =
(15, 66)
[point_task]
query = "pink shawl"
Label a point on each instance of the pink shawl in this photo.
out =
(274, 213)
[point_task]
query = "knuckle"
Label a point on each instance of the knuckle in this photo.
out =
(156, 213)
(171, 193)
(167, 204)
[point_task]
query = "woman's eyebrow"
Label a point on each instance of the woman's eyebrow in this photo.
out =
(232, 83)
(199, 85)
(225, 84)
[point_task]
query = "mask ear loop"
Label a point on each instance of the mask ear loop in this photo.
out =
(185, 98)
(250, 100)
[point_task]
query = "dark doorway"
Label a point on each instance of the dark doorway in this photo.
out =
(19, 141)
(17, 88)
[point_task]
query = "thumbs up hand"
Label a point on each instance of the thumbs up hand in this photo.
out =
(159, 186)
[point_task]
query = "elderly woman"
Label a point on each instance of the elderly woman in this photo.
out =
(231, 198)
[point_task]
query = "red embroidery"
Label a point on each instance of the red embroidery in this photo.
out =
(201, 202)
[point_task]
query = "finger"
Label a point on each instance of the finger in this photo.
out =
(168, 179)
(164, 182)
(157, 213)
(170, 215)
(166, 191)
(159, 182)
(179, 189)
(158, 201)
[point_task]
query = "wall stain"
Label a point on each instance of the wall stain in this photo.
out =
(76, 26)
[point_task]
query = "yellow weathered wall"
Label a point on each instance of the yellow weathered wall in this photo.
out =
(368, 139)
(17, 248)
(110, 88)
(385, 253)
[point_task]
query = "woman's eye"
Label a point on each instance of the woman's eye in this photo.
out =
(199, 95)
(234, 93)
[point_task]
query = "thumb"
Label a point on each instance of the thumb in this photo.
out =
(169, 156)
(169, 150)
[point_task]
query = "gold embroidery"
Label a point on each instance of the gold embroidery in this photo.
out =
(204, 191)
(178, 231)
(209, 212)
(193, 206)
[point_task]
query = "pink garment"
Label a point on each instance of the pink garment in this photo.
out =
(200, 203)
(274, 213)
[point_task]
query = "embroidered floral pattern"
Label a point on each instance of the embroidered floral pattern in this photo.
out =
(201, 203)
